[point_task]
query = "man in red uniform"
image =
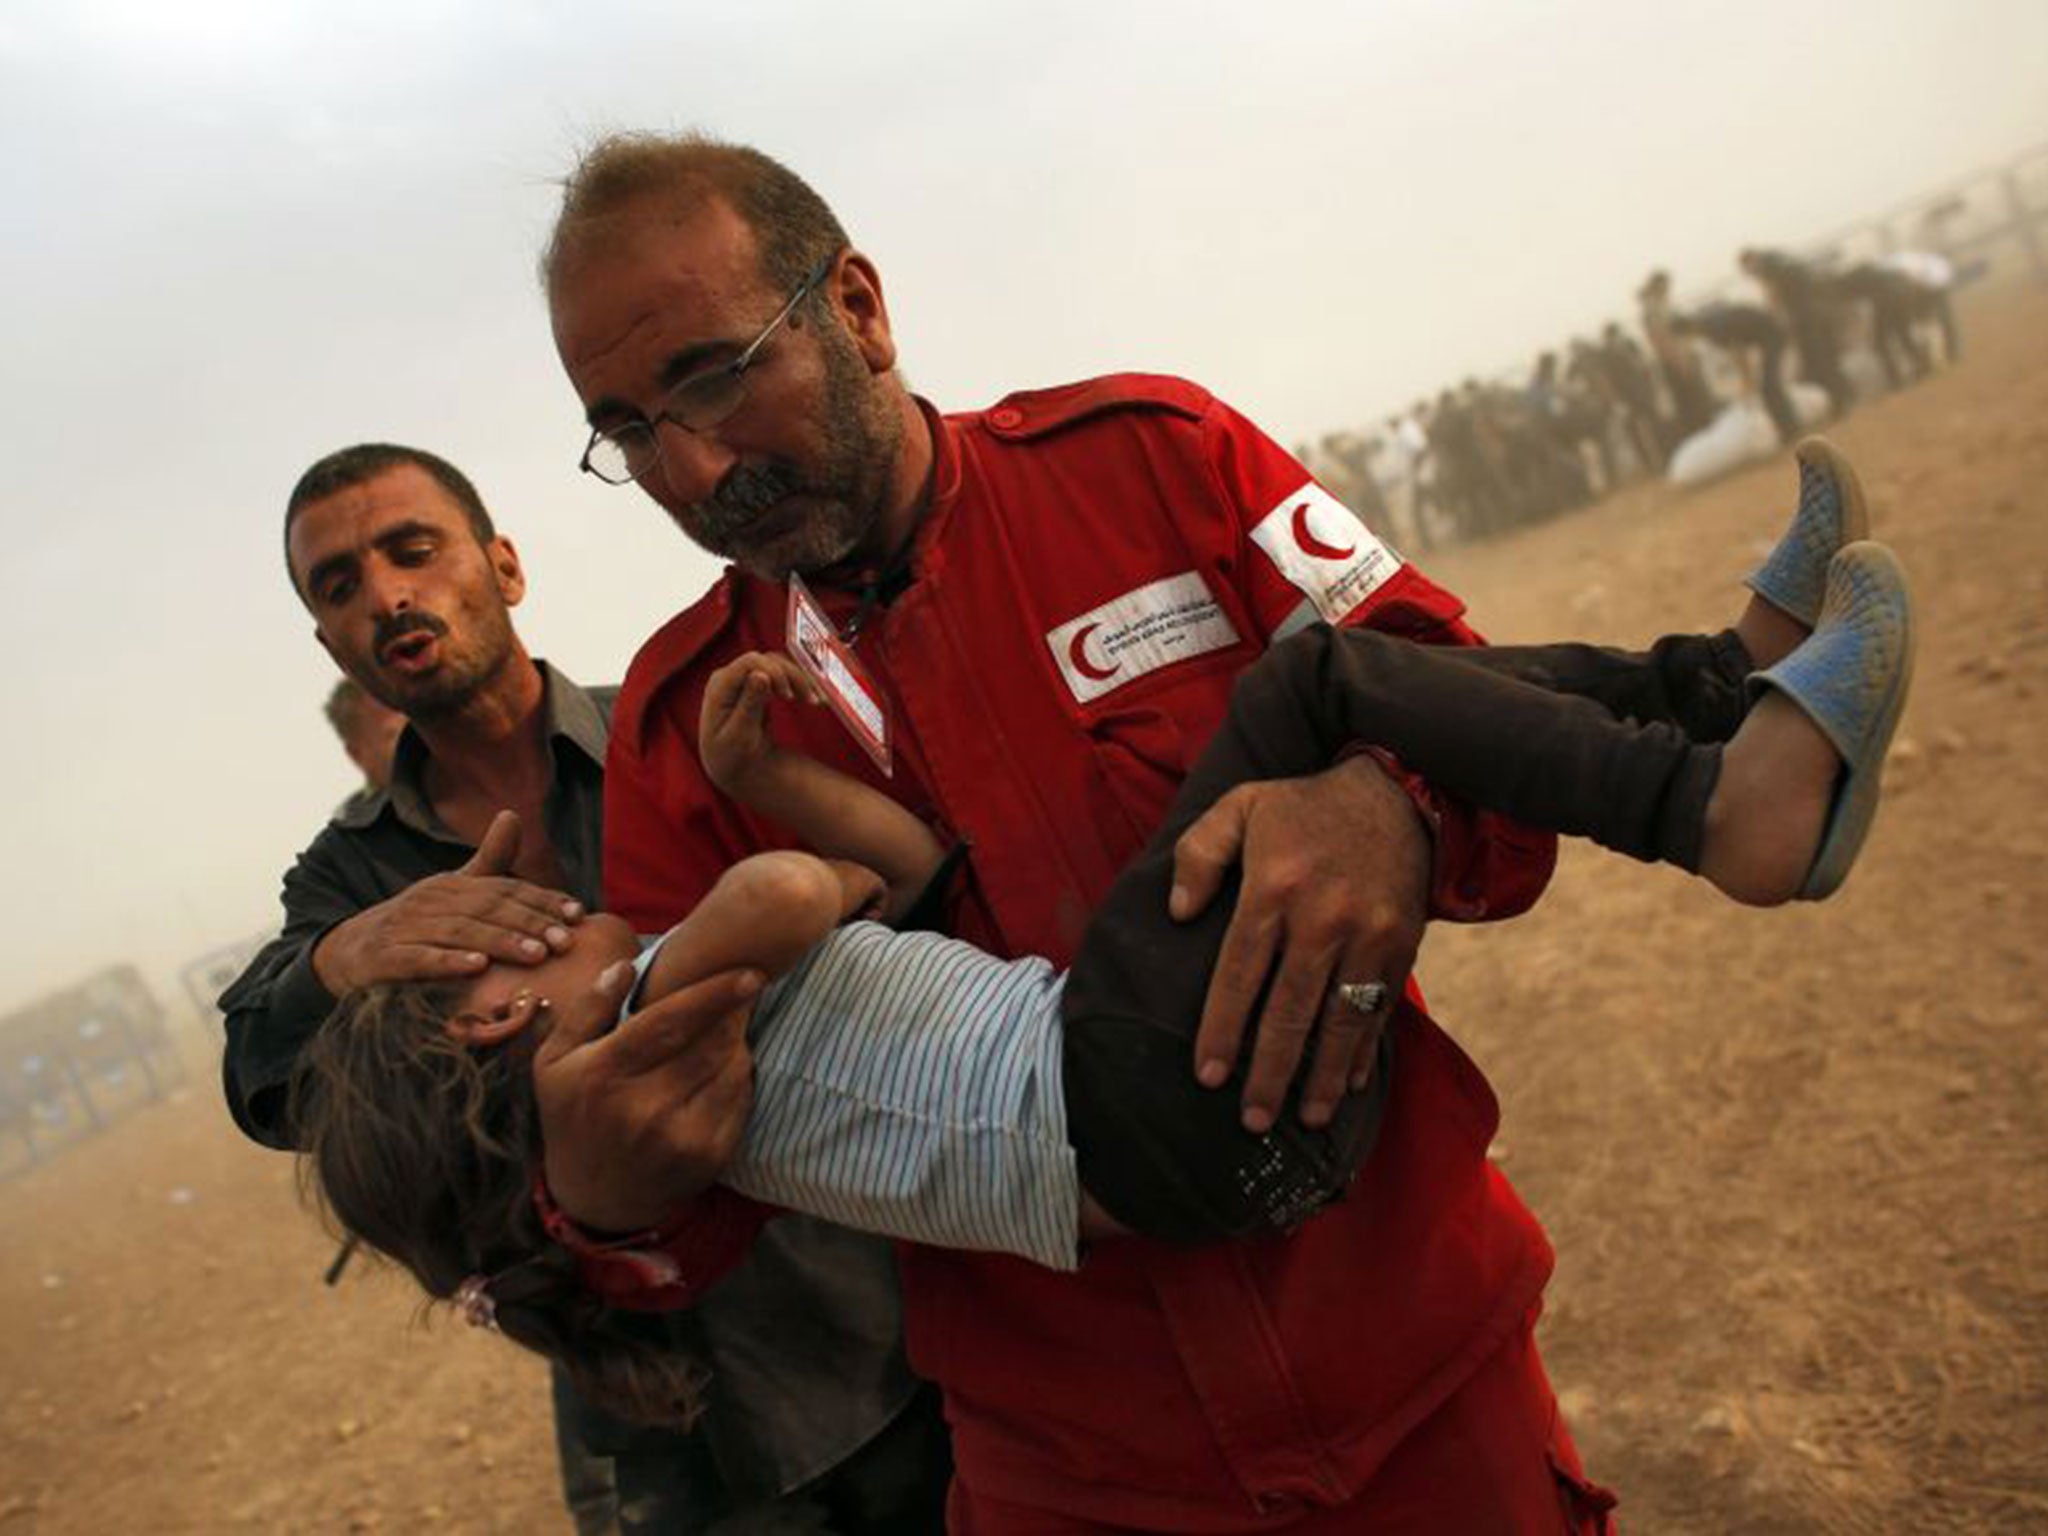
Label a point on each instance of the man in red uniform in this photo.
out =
(1051, 598)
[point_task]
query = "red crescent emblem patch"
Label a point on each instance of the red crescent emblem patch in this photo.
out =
(1077, 653)
(1310, 544)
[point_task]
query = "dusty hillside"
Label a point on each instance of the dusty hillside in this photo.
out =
(1793, 1160)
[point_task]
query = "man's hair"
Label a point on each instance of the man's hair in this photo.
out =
(344, 707)
(346, 468)
(793, 227)
(424, 1147)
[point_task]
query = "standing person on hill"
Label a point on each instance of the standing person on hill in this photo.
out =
(1751, 335)
(1935, 277)
(1894, 302)
(1805, 300)
(1629, 379)
(1685, 381)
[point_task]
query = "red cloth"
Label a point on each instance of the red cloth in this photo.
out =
(1045, 697)
(1497, 1458)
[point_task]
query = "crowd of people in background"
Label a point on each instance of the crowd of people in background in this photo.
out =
(1491, 454)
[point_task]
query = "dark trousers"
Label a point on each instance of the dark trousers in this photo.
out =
(1645, 433)
(668, 1482)
(1692, 403)
(895, 1485)
(1777, 401)
(1820, 359)
(1898, 348)
(1951, 338)
(1620, 747)
(589, 1480)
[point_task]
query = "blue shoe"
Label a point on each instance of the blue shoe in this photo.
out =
(1831, 515)
(1851, 680)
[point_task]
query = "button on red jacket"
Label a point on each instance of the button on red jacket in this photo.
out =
(1096, 564)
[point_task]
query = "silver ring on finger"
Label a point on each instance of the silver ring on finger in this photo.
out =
(1366, 997)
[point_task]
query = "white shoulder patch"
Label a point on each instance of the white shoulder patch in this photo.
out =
(1145, 629)
(1322, 547)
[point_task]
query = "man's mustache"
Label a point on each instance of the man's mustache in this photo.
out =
(745, 493)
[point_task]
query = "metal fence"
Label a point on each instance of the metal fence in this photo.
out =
(77, 1060)
(1989, 224)
(212, 973)
(1991, 221)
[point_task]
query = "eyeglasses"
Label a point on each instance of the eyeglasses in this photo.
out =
(620, 455)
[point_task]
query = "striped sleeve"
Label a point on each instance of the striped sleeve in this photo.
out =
(908, 1084)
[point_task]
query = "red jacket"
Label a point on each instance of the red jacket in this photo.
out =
(1097, 563)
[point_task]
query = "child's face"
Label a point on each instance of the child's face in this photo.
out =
(567, 981)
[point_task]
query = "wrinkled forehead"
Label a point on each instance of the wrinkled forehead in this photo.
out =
(653, 279)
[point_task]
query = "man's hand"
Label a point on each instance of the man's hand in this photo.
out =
(1336, 889)
(450, 925)
(638, 1120)
(732, 727)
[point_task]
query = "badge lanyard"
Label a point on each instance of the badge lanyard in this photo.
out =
(849, 690)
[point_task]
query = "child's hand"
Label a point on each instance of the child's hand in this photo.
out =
(732, 731)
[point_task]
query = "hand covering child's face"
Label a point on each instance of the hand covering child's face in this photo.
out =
(505, 998)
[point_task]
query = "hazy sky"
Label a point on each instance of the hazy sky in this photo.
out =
(240, 234)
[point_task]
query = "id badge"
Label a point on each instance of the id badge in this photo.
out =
(849, 690)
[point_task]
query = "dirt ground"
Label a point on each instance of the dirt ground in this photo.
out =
(1795, 1162)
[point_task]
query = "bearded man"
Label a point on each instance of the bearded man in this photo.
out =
(1049, 599)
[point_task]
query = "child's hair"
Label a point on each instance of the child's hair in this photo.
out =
(424, 1148)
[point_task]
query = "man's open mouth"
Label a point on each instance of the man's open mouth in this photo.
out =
(410, 652)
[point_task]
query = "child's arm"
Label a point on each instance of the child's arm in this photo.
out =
(835, 815)
(764, 914)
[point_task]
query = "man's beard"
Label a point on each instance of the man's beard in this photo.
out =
(462, 675)
(843, 496)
